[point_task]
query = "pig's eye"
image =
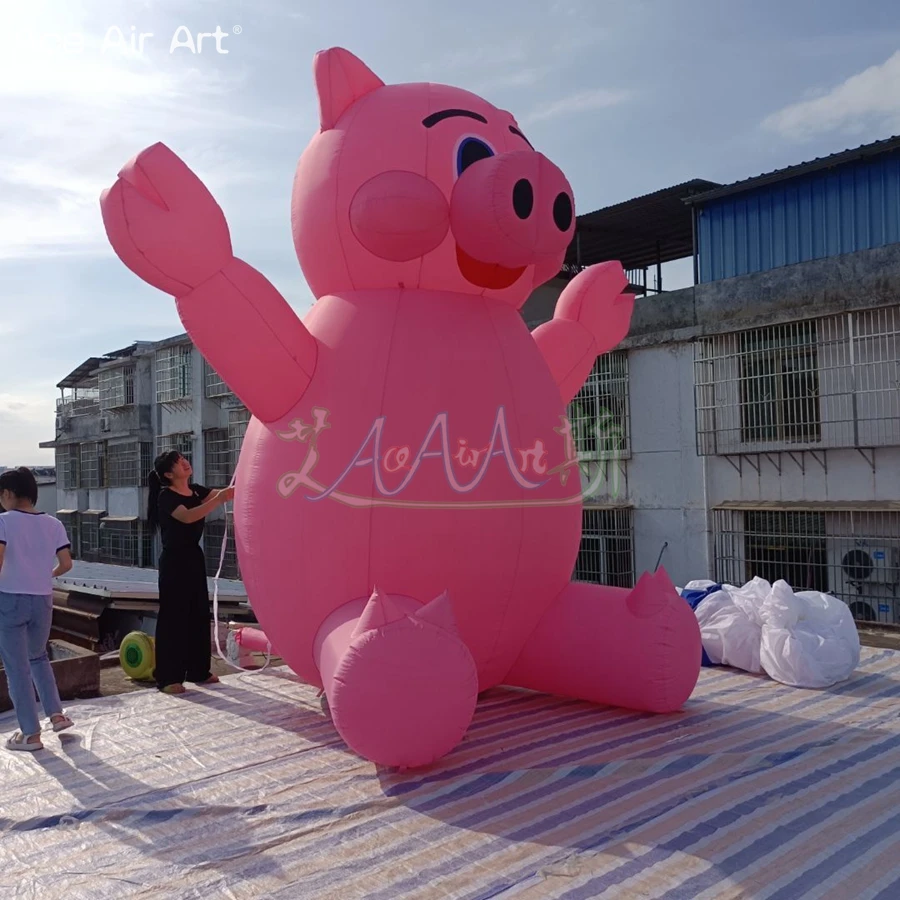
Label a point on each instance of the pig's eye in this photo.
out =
(471, 150)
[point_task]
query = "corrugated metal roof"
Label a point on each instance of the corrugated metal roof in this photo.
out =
(876, 148)
(640, 232)
(80, 374)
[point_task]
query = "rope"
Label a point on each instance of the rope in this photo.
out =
(216, 578)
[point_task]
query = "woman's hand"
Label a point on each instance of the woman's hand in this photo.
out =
(224, 495)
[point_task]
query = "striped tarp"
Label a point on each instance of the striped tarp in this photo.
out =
(244, 790)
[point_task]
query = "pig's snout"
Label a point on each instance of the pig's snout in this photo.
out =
(512, 210)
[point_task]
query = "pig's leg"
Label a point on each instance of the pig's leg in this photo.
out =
(638, 649)
(401, 684)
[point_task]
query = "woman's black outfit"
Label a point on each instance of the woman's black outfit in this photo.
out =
(183, 641)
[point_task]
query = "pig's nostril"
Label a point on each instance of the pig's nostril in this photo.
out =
(562, 212)
(523, 198)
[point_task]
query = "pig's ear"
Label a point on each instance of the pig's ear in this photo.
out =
(341, 79)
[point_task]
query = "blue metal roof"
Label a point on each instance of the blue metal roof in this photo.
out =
(840, 204)
(876, 148)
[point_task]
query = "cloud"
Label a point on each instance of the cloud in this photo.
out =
(72, 117)
(580, 102)
(869, 99)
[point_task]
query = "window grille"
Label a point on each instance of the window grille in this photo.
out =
(599, 413)
(819, 383)
(92, 460)
(148, 558)
(67, 458)
(173, 373)
(850, 551)
(69, 519)
(116, 387)
(124, 464)
(119, 541)
(214, 386)
(218, 461)
(606, 555)
(213, 535)
(183, 443)
(238, 420)
(90, 534)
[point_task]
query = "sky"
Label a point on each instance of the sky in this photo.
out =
(626, 96)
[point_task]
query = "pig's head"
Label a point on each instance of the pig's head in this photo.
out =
(423, 186)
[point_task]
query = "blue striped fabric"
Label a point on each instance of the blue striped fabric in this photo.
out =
(244, 790)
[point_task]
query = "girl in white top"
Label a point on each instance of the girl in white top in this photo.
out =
(30, 543)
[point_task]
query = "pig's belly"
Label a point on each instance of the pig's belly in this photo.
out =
(420, 381)
(504, 551)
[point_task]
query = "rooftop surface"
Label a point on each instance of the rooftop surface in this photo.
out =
(245, 790)
(119, 581)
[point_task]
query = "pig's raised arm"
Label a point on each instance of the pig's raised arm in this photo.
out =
(166, 227)
(592, 317)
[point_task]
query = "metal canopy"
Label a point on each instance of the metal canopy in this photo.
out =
(639, 233)
(77, 376)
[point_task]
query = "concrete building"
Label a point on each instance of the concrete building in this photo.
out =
(114, 415)
(760, 408)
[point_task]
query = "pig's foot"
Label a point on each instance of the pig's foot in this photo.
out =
(638, 649)
(401, 684)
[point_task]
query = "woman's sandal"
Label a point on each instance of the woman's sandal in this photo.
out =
(213, 679)
(173, 689)
(60, 722)
(21, 741)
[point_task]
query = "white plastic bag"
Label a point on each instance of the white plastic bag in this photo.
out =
(807, 639)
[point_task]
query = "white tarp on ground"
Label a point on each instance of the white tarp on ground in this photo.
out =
(804, 639)
(244, 790)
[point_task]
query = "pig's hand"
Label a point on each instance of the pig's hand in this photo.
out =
(594, 299)
(164, 224)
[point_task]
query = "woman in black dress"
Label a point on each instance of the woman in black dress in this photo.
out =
(179, 508)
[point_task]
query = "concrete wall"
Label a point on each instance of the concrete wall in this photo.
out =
(47, 497)
(665, 479)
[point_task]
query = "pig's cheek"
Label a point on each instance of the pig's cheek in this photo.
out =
(399, 216)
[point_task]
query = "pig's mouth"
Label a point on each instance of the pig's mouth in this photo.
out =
(486, 275)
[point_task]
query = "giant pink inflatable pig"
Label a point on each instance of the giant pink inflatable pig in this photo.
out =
(408, 502)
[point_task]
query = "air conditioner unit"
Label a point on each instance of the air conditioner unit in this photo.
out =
(59, 423)
(873, 564)
(104, 423)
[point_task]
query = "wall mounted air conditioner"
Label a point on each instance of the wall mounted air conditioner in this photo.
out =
(879, 565)
(104, 423)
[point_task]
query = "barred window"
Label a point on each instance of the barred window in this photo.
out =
(90, 534)
(124, 464)
(218, 461)
(600, 413)
(818, 383)
(214, 533)
(116, 387)
(67, 459)
(119, 541)
(69, 519)
(851, 551)
(92, 459)
(606, 555)
(182, 443)
(173, 373)
(214, 386)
